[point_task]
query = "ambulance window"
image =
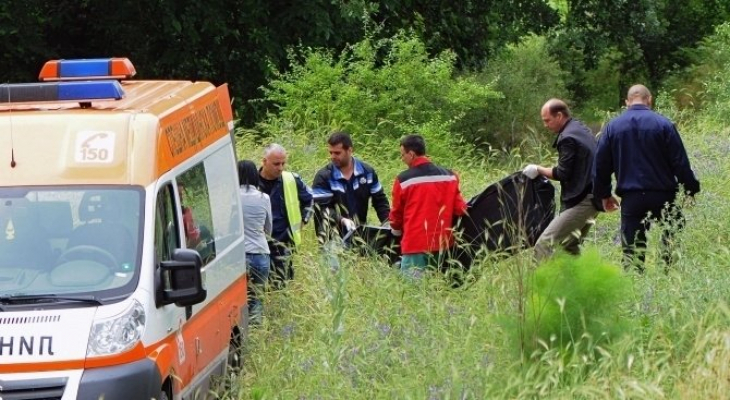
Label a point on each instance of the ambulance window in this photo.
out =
(195, 206)
(166, 227)
(225, 202)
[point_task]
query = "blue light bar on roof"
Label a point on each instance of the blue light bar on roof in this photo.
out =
(91, 68)
(82, 91)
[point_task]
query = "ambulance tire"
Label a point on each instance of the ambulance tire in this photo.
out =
(237, 343)
(235, 352)
(165, 391)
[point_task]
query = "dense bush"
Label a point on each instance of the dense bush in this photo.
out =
(697, 84)
(376, 89)
(527, 76)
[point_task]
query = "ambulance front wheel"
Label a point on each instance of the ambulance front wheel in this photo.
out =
(166, 391)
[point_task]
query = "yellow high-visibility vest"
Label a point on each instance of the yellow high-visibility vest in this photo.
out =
(293, 212)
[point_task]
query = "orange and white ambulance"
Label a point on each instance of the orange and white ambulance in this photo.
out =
(122, 266)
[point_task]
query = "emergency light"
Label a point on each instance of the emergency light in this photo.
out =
(87, 69)
(61, 91)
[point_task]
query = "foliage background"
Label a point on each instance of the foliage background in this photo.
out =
(470, 76)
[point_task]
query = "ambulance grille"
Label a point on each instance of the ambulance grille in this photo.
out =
(36, 389)
(40, 319)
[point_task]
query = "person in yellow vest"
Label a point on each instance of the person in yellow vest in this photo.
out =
(291, 208)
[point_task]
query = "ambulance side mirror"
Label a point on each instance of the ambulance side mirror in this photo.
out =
(181, 279)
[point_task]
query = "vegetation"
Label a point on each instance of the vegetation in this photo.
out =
(243, 41)
(470, 77)
(360, 330)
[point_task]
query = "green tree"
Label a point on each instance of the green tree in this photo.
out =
(473, 29)
(527, 75)
(643, 37)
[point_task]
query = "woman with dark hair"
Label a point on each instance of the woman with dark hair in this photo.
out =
(257, 226)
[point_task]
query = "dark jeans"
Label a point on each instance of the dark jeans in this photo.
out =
(638, 210)
(281, 263)
(258, 274)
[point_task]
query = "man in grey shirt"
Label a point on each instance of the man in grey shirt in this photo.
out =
(256, 226)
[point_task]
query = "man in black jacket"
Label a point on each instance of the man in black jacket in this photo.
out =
(645, 152)
(343, 189)
(576, 147)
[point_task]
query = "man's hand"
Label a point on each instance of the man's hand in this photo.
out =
(610, 204)
(348, 224)
(531, 171)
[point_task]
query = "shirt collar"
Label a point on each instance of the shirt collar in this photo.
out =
(420, 160)
(357, 170)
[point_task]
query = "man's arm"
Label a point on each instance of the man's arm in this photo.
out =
(603, 167)
(305, 199)
(459, 202)
(566, 160)
(380, 200)
(680, 162)
(396, 212)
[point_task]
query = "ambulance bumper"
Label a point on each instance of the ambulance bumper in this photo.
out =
(137, 380)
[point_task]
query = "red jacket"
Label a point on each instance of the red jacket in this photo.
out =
(426, 198)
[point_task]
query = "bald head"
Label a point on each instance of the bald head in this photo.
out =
(554, 106)
(555, 114)
(273, 162)
(638, 94)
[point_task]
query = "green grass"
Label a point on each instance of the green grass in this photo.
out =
(363, 331)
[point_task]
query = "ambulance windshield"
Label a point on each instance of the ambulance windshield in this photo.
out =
(70, 240)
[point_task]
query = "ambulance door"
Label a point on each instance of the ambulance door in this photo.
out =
(167, 239)
(195, 210)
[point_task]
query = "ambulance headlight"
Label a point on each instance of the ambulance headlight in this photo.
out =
(117, 334)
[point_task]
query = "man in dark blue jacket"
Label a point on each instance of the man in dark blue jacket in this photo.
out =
(643, 149)
(576, 147)
(291, 207)
(344, 188)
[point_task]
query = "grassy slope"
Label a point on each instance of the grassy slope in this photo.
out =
(363, 332)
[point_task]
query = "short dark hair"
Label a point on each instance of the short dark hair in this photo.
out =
(340, 137)
(248, 174)
(414, 143)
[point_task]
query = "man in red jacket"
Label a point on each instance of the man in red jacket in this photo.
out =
(426, 198)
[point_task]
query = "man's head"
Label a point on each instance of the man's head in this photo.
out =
(411, 147)
(273, 162)
(340, 149)
(555, 114)
(638, 94)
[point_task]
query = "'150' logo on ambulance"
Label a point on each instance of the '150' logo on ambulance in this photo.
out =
(94, 147)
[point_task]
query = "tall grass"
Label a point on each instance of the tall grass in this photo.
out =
(362, 331)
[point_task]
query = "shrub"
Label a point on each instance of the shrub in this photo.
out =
(527, 76)
(376, 89)
(703, 85)
(572, 299)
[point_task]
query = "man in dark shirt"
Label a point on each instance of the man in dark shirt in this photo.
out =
(343, 189)
(576, 147)
(291, 207)
(645, 152)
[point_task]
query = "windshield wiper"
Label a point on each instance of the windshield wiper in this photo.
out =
(47, 298)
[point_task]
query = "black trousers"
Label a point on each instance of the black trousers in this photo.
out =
(638, 210)
(282, 269)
